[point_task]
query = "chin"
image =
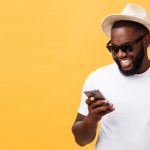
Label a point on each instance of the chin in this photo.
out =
(127, 72)
(127, 68)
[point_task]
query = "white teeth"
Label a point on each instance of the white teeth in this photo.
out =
(125, 61)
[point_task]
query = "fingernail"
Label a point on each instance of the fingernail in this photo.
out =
(113, 108)
(91, 98)
(110, 104)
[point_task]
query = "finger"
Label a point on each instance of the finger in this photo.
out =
(108, 111)
(90, 100)
(98, 103)
(110, 105)
(101, 109)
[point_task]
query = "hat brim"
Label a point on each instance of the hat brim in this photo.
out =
(109, 20)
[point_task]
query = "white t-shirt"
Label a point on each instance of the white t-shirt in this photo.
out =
(128, 127)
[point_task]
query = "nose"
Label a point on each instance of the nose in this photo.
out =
(121, 54)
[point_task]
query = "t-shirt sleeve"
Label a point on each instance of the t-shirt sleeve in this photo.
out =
(83, 108)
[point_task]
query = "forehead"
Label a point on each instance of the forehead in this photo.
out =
(123, 34)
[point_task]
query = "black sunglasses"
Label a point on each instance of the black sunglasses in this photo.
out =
(127, 47)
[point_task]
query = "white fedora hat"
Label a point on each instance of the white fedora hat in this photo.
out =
(131, 12)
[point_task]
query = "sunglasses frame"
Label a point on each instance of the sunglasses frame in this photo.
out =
(123, 47)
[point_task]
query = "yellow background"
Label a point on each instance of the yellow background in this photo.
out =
(47, 49)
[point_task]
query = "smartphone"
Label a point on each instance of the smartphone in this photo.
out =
(95, 93)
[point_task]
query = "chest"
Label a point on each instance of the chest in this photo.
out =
(128, 96)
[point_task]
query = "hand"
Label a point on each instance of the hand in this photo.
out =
(98, 108)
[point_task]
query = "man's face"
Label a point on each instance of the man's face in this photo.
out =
(128, 62)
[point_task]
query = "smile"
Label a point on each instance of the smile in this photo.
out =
(125, 63)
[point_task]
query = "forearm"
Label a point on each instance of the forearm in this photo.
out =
(85, 131)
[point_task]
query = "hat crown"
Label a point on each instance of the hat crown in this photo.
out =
(136, 11)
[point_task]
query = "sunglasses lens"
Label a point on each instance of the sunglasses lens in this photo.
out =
(115, 49)
(126, 47)
(112, 49)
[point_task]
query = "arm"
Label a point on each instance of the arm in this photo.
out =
(84, 128)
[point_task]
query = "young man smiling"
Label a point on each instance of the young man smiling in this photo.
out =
(125, 118)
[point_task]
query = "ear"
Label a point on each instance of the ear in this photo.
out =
(147, 40)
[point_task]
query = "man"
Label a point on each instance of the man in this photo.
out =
(125, 118)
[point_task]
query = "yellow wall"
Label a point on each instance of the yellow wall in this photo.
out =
(47, 49)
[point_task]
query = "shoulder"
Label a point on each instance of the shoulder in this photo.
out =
(100, 76)
(104, 71)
